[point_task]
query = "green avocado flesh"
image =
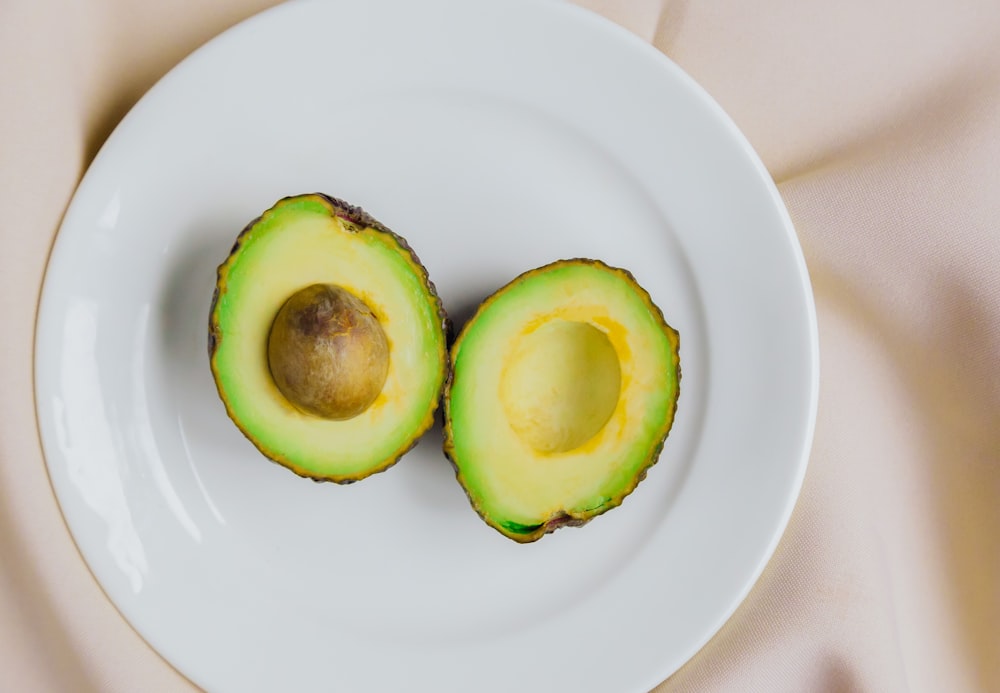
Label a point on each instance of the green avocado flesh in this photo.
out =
(563, 389)
(327, 340)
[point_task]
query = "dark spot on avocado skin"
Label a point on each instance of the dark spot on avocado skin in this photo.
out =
(360, 219)
(533, 532)
(214, 335)
(560, 520)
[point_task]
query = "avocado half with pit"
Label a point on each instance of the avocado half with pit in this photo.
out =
(327, 339)
(563, 388)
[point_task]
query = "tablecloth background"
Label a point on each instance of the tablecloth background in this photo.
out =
(880, 122)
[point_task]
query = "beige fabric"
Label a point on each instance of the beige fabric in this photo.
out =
(880, 120)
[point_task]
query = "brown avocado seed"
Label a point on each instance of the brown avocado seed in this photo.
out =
(327, 352)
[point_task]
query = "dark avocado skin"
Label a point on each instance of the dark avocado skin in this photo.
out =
(526, 534)
(359, 218)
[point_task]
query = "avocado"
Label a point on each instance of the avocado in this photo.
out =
(563, 388)
(327, 339)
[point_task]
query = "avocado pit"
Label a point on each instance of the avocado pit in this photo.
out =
(327, 352)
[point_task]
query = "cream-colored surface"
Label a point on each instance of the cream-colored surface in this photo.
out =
(314, 251)
(560, 385)
(880, 121)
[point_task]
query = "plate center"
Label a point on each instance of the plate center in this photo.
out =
(483, 190)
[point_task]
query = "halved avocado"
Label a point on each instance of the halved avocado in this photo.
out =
(327, 339)
(563, 388)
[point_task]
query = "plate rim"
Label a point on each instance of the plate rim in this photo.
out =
(605, 25)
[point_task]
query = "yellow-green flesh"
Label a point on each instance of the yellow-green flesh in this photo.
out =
(565, 385)
(297, 243)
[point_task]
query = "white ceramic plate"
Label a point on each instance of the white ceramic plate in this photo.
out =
(495, 136)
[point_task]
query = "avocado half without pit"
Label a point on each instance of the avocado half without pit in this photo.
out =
(563, 389)
(327, 339)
